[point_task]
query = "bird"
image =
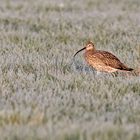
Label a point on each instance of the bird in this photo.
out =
(102, 61)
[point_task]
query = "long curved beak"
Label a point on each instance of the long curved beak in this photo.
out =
(79, 51)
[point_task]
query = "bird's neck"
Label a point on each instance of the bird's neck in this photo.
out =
(89, 52)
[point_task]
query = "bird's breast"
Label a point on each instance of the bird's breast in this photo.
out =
(91, 59)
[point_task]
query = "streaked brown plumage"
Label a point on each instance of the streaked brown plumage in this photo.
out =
(102, 60)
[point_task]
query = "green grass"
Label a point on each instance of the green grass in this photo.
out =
(44, 94)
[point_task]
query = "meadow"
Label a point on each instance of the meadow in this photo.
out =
(44, 93)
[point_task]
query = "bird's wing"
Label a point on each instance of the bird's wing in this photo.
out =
(110, 60)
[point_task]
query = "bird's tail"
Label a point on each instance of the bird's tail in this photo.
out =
(129, 69)
(125, 68)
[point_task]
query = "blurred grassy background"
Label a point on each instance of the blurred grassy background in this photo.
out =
(43, 94)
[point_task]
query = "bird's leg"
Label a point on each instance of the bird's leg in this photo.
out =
(98, 73)
(114, 74)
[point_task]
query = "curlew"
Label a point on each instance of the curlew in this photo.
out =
(102, 60)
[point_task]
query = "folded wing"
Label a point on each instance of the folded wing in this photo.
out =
(111, 60)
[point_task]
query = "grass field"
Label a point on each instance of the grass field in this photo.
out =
(44, 94)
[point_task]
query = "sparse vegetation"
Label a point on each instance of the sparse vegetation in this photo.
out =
(44, 94)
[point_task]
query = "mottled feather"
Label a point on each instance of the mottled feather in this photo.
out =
(107, 59)
(102, 60)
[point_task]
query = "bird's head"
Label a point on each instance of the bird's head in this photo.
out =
(89, 47)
